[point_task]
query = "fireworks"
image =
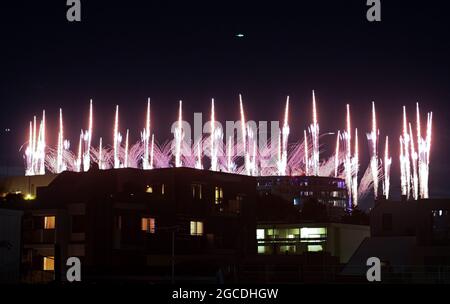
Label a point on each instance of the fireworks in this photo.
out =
(373, 139)
(387, 169)
(245, 156)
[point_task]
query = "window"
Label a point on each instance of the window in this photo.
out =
(386, 219)
(148, 224)
(48, 263)
(149, 189)
(260, 234)
(49, 222)
(315, 248)
(218, 197)
(196, 191)
(163, 189)
(313, 233)
(196, 228)
(261, 249)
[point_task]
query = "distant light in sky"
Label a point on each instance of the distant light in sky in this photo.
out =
(239, 35)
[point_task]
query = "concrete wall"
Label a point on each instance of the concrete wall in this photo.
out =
(344, 239)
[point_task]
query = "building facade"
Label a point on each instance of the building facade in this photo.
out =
(139, 223)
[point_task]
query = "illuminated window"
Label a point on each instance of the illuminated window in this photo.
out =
(49, 222)
(313, 233)
(48, 263)
(149, 189)
(261, 249)
(315, 248)
(148, 224)
(196, 191)
(162, 189)
(259, 234)
(218, 197)
(196, 228)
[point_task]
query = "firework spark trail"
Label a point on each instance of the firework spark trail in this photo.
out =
(355, 165)
(423, 153)
(125, 163)
(87, 137)
(152, 152)
(178, 137)
(145, 137)
(315, 138)
(306, 152)
(403, 184)
(78, 161)
(427, 154)
(60, 165)
(283, 142)
(415, 179)
(230, 164)
(365, 184)
(35, 152)
(198, 161)
(117, 140)
(387, 169)
(244, 138)
(348, 158)
(407, 164)
(213, 139)
(373, 139)
(100, 155)
(327, 167)
(336, 155)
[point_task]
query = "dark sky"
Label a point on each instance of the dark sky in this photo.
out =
(123, 52)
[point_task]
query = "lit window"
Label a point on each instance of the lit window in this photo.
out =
(48, 263)
(148, 224)
(196, 228)
(261, 249)
(162, 189)
(313, 233)
(315, 248)
(149, 189)
(218, 195)
(259, 234)
(49, 222)
(197, 191)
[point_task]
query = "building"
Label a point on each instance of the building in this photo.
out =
(338, 239)
(26, 186)
(327, 190)
(187, 224)
(10, 245)
(411, 238)
(140, 224)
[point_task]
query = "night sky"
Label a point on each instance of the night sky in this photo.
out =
(123, 52)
